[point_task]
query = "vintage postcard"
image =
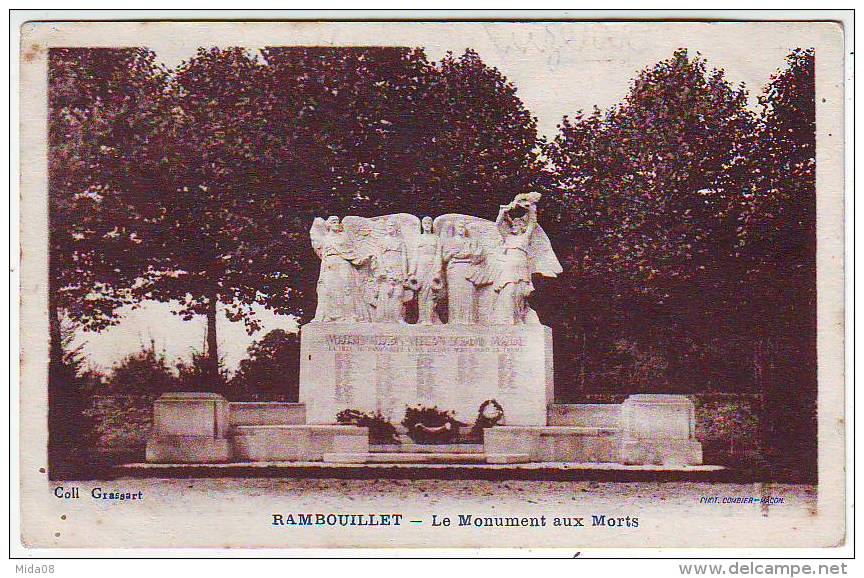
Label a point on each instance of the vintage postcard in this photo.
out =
(551, 284)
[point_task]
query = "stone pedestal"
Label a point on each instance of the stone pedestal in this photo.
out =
(659, 429)
(189, 427)
(379, 367)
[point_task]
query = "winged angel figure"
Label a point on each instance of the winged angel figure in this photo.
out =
(489, 266)
(364, 267)
(341, 282)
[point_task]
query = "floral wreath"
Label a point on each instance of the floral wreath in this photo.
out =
(493, 417)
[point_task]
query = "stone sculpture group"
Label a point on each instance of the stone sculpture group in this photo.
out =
(475, 270)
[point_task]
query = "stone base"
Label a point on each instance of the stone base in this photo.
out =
(297, 443)
(189, 428)
(187, 450)
(555, 444)
(661, 452)
(380, 367)
(658, 416)
(190, 413)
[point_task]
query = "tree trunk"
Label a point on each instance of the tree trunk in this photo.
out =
(582, 366)
(55, 353)
(55, 357)
(212, 372)
(57, 412)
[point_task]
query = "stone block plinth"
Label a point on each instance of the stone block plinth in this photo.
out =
(189, 427)
(659, 429)
(383, 367)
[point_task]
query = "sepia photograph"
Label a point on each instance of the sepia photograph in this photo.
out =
(419, 284)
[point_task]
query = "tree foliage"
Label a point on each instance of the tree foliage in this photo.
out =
(371, 131)
(646, 207)
(100, 104)
(145, 372)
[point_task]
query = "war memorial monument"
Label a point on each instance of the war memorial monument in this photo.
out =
(474, 356)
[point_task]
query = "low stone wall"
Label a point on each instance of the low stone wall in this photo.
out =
(292, 443)
(647, 429)
(585, 414)
(555, 443)
(266, 413)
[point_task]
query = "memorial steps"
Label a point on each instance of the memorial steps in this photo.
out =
(537, 471)
(255, 440)
(196, 429)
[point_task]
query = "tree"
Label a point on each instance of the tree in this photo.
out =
(647, 191)
(468, 142)
(778, 219)
(101, 108)
(71, 429)
(213, 234)
(272, 369)
(778, 247)
(331, 113)
(99, 104)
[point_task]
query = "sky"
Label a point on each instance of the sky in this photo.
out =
(558, 69)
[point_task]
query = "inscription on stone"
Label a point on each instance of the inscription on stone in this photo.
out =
(466, 369)
(384, 383)
(425, 378)
(506, 377)
(384, 343)
(344, 379)
(386, 367)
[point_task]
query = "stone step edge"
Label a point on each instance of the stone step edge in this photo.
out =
(346, 429)
(562, 430)
(424, 459)
(473, 448)
(549, 430)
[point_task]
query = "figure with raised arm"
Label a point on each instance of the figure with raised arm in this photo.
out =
(517, 224)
